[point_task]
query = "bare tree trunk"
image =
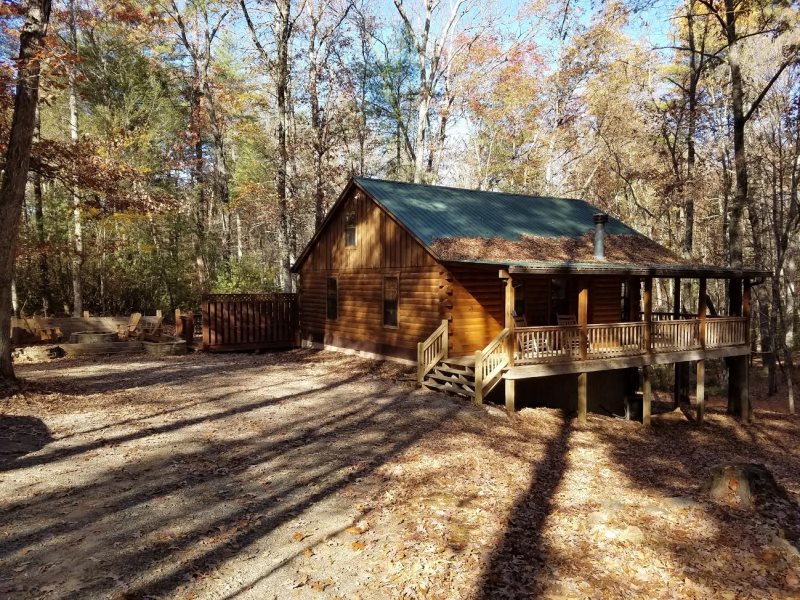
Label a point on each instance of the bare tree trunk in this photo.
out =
(18, 154)
(317, 117)
(41, 239)
(283, 26)
(198, 177)
(77, 224)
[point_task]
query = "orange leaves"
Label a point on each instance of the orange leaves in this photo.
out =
(299, 536)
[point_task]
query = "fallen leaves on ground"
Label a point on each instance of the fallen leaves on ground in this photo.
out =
(248, 475)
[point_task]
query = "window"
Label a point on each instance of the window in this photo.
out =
(391, 294)
(625, 302)
(350, 228)
(519, 300)
(332, 300)
(559, 304)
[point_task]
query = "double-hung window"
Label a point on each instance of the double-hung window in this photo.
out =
(332, 299)
(391, 298)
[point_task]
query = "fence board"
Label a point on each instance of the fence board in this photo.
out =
(249, 321)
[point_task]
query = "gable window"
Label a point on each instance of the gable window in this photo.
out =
(332, 299)
(391, 295)
(350, 228)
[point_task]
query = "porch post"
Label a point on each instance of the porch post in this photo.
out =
(583, 316)
(701, 313)
(509, 314)
(647, 299)
(676, 314)
(582, 385)
(509, 384)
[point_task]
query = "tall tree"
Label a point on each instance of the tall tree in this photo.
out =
(430, 43)
(738, 20)
(17, 160)
(282, 25)
(199, 23)
(77, 223)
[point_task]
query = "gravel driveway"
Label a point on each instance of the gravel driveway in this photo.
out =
(317, 475)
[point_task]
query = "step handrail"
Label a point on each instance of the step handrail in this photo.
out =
(490, 362)
(432, 350)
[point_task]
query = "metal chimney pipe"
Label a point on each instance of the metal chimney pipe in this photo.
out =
(600, 220)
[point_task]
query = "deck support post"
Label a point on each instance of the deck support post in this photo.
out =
(701, 365)
(510, 385)
(738, 369)
(647, 396)
(701, 390)
(582, 390)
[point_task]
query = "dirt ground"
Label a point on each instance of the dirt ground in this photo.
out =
(318, 475)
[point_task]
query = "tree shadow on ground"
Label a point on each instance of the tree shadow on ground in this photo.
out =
(197, 490)
(674, 459)
(21, 435)
(512, 568)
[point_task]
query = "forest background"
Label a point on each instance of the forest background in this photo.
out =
(187, 146)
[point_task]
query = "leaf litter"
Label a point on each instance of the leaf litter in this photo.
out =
(309, 475)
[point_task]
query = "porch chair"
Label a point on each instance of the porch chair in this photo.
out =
(151, 328)
(572, 341)
(566, 320)
(131, 329)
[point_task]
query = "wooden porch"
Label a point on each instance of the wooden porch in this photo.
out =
(522, 352)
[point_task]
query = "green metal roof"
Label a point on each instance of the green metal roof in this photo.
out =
(432, 212)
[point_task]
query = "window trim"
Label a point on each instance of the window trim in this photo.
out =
(328, 279)
(384, 277)
(347, 216)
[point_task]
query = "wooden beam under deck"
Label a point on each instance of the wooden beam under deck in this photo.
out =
(610, 364)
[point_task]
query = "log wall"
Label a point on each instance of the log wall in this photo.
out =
(382, 248)
(478, 308)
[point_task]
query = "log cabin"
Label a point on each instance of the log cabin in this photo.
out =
(526, 296)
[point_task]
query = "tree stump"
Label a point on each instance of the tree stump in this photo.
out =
(740, 484)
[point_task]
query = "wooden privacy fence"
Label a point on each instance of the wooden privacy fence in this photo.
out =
(249, 321)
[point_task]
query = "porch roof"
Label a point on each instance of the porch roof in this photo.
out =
(624, 269)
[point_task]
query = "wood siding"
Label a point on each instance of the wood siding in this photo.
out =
(382, 248)
(380, 242)
(605, 300)
(478, 305)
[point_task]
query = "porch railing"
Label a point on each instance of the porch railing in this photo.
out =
(615, 339)
(551, 343)
(431, 351)
(535, 345)
(726, 331)
(490, 362)
(673, 336)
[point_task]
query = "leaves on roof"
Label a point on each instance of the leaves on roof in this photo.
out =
(619, 248)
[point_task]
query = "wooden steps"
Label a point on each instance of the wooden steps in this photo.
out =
(452, 377)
